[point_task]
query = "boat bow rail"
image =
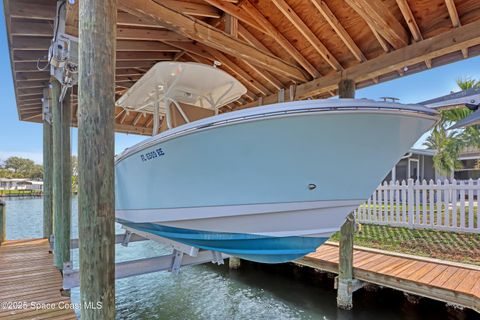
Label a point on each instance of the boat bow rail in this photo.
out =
(278, 110)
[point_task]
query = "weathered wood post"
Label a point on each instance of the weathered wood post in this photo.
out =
(3, 222)
(96, 197)
(234, 263)
(47, 166)
(62, 176)
(346, 89)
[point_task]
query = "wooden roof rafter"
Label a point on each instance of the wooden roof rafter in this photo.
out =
(379, 17)
(441, 45)
(328, 15)
(248, 7)
(204, 33)
(412, 24)
(259, 24)
(298, 23)
(453, 13)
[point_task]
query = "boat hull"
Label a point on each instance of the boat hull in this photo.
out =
(248, 246)
(285, 179)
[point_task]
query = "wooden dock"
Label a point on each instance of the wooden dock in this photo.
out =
(30, 284)
(453, 283)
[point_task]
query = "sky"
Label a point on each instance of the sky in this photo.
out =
(19, 138)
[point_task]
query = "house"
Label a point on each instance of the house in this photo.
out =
(417, 164)
(20, 184)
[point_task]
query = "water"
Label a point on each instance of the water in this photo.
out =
(215, 292)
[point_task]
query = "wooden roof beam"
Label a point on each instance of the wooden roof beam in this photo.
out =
(208, 35)
(33, 10)
(279, 38)
(200, 57)
(437, 46)
(126, 19)
(132, 45)
(236, 12)
(149, 35)
(30, 43)
(379, 16)
(208, 53)
(231, 25)
(385, 46)
(412, 24)
(29, 76)
(249, 38)
(328, 15)
(453, 13)
(298, 23)
(134, 64)
(191, 8)
(30, 28)
(35, 43)
(233, 68)
(137, 118)
(148, 55)
(32, 84)
(410, 19)
(30, 56)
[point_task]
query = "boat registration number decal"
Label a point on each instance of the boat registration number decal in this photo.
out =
(152, 154)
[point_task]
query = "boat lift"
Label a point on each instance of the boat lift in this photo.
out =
(182, 255)
(467, 98)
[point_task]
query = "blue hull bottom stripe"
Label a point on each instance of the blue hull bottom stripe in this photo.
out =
(252, 247)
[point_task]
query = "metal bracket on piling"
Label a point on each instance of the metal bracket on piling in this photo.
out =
(352, 285)
(126, 238)
(218, 257)
(177, 261)
(281, 95)
(52, 243)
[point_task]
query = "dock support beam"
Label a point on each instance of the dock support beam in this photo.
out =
(345, 285)
(47, 166)
(62, 175)
(234, 263)
(3, 222)
(96, 198)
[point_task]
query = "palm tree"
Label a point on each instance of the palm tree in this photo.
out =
(449, 145)
(448, 148)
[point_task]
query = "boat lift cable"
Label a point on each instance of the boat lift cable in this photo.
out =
(54, 39)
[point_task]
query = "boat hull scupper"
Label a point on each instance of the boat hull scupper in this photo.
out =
(268, 185)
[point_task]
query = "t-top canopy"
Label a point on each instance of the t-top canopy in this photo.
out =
(185, 82)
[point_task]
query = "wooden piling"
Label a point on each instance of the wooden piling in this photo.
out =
(96, 96)
(47, 166)
(346, 89)
(234, 263)
(62, 176)
(3, 222)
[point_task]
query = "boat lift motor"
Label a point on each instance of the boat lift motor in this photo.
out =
(63, 58)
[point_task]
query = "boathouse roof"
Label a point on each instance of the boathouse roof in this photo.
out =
(300, 48)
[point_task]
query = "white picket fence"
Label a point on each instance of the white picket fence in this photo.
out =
(448, 205)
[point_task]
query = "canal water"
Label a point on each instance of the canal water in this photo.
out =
(214, 292)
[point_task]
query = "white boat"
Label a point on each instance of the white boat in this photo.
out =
(267, 184)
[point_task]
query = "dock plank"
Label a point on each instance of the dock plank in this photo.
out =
(451, 282)
(27, 275)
